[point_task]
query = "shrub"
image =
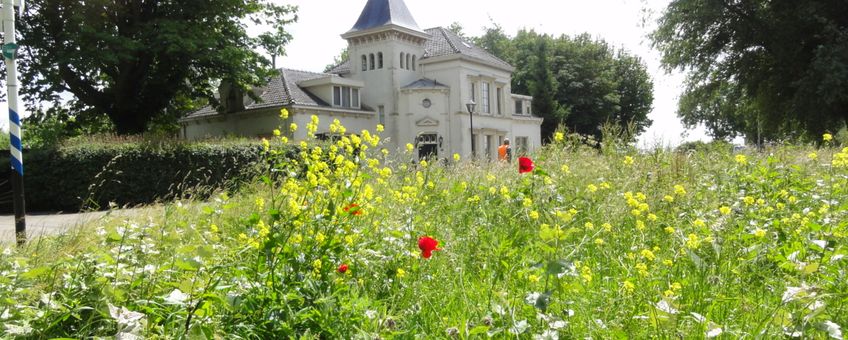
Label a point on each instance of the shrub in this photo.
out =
(93, 175)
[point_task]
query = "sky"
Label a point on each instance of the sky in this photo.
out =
(622, 23)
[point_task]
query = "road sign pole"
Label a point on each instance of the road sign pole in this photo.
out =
(10, 49)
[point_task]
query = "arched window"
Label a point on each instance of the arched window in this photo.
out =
(380, 60)
(407, 61)
(401, 60)
(413, 63)
(371, 60)
(364, 63)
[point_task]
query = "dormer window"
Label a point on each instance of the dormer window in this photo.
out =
(345, 96)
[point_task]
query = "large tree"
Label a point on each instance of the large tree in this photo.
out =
(135, 60)
(763, 69)
(578, 82)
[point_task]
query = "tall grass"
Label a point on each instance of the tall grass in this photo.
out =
(595, 242)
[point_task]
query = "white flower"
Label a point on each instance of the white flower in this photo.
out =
(130, 324)
(821, 243)
(665, 307)
(714, 332)
(370, 314)
(832, 329)
(5, 315)
(557, 324)
(176, 297)
(837, 257)
(793, 293)
(12, 329)
(816, 305)
(532, 298)
(7, 251)
(600, 324)
(547, 335)
(519, 327)
(698, 317)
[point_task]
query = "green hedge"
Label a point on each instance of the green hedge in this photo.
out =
(92, 176)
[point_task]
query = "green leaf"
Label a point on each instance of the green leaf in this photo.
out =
(36, 273)
(479, 330)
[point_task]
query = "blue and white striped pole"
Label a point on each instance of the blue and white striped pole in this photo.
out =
(10, 49)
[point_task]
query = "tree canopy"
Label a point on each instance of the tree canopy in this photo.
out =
(758, 68)
(134, 61)
(579, 82)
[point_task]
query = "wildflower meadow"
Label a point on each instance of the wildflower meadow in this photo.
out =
(345, 240)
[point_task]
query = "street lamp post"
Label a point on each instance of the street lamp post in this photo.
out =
(10, 50)
(470, 106)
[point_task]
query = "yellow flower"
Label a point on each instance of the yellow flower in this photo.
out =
(400, 273)
(640, 225)
(260, 203)
(534, 215)
(423, 163)
(652, 217)
(827, 137)
(679, 190)
(607, 226)
(692, 241)
(668, 293)
(380, 128)
(284, 113)
(320, 238)
(760, 233)
(741, 159)
(213, 228)
(409, 147)
(265, 144)
(748, 200)
(589, 225)
(699, 223)
(648, 255)
(592, 188)
(456, 157)
(628, 160)
(669, 230)
(565, 169)
(668, 263)
(642, 268)
(628, 286)
(533, 278)
(293, 127)
(599, 241)
(316, 265)
(725, 210)
(813, 156)
(559, 136)
(668, 198)
(277, 133)
(527, 202)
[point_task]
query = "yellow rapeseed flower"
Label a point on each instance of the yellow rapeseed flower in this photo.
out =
(565, 169)
(456, 157)
(827, 137)
(599, 241)
(812, 156)
(725, 210)
(409, 147)
(284, 113)
(669, 230)
(628, 160)
(628, 286)
(380, 128)
(591, 188)
(559, 136)
(534, 215)
(760, 233)
(293, 127)
(748, 200)
(607, 226)
(533, 278)
(668, 198)
(400, 273)
(741, 159)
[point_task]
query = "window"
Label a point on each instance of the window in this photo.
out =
(519, 107)
(527, 108)
(381, 115)
(413, 63)
(401, 60)
(473, 92)
(498, 102)
(521, 145)
(337, 95)
(371, 60)
(380, 60)
(364, 63)
(489, 141)
(407, 61)
(354, 97)
(484, 98)
(344, 96)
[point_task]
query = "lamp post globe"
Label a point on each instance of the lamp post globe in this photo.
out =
(470, 106)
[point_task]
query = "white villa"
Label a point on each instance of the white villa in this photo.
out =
(414, 82)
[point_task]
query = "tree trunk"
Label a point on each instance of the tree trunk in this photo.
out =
(129, 122)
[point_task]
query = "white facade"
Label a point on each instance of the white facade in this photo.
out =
(415, 82)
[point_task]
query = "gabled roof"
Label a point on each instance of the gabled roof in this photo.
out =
(444, 42)
(378, 13)
(425, 83)
(342, 68)
(279, 91)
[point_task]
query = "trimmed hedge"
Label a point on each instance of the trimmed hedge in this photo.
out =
(90, 177)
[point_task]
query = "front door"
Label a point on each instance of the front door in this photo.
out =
(428, 146)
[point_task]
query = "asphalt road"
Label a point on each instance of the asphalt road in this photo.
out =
(53, 224)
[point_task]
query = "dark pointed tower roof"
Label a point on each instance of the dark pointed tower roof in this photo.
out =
(379, 13)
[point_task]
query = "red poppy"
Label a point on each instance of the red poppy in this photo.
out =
(427, 245)
(353, 209)
(525, 165)
(342, 268)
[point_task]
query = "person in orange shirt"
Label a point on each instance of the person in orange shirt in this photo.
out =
(504, 151)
